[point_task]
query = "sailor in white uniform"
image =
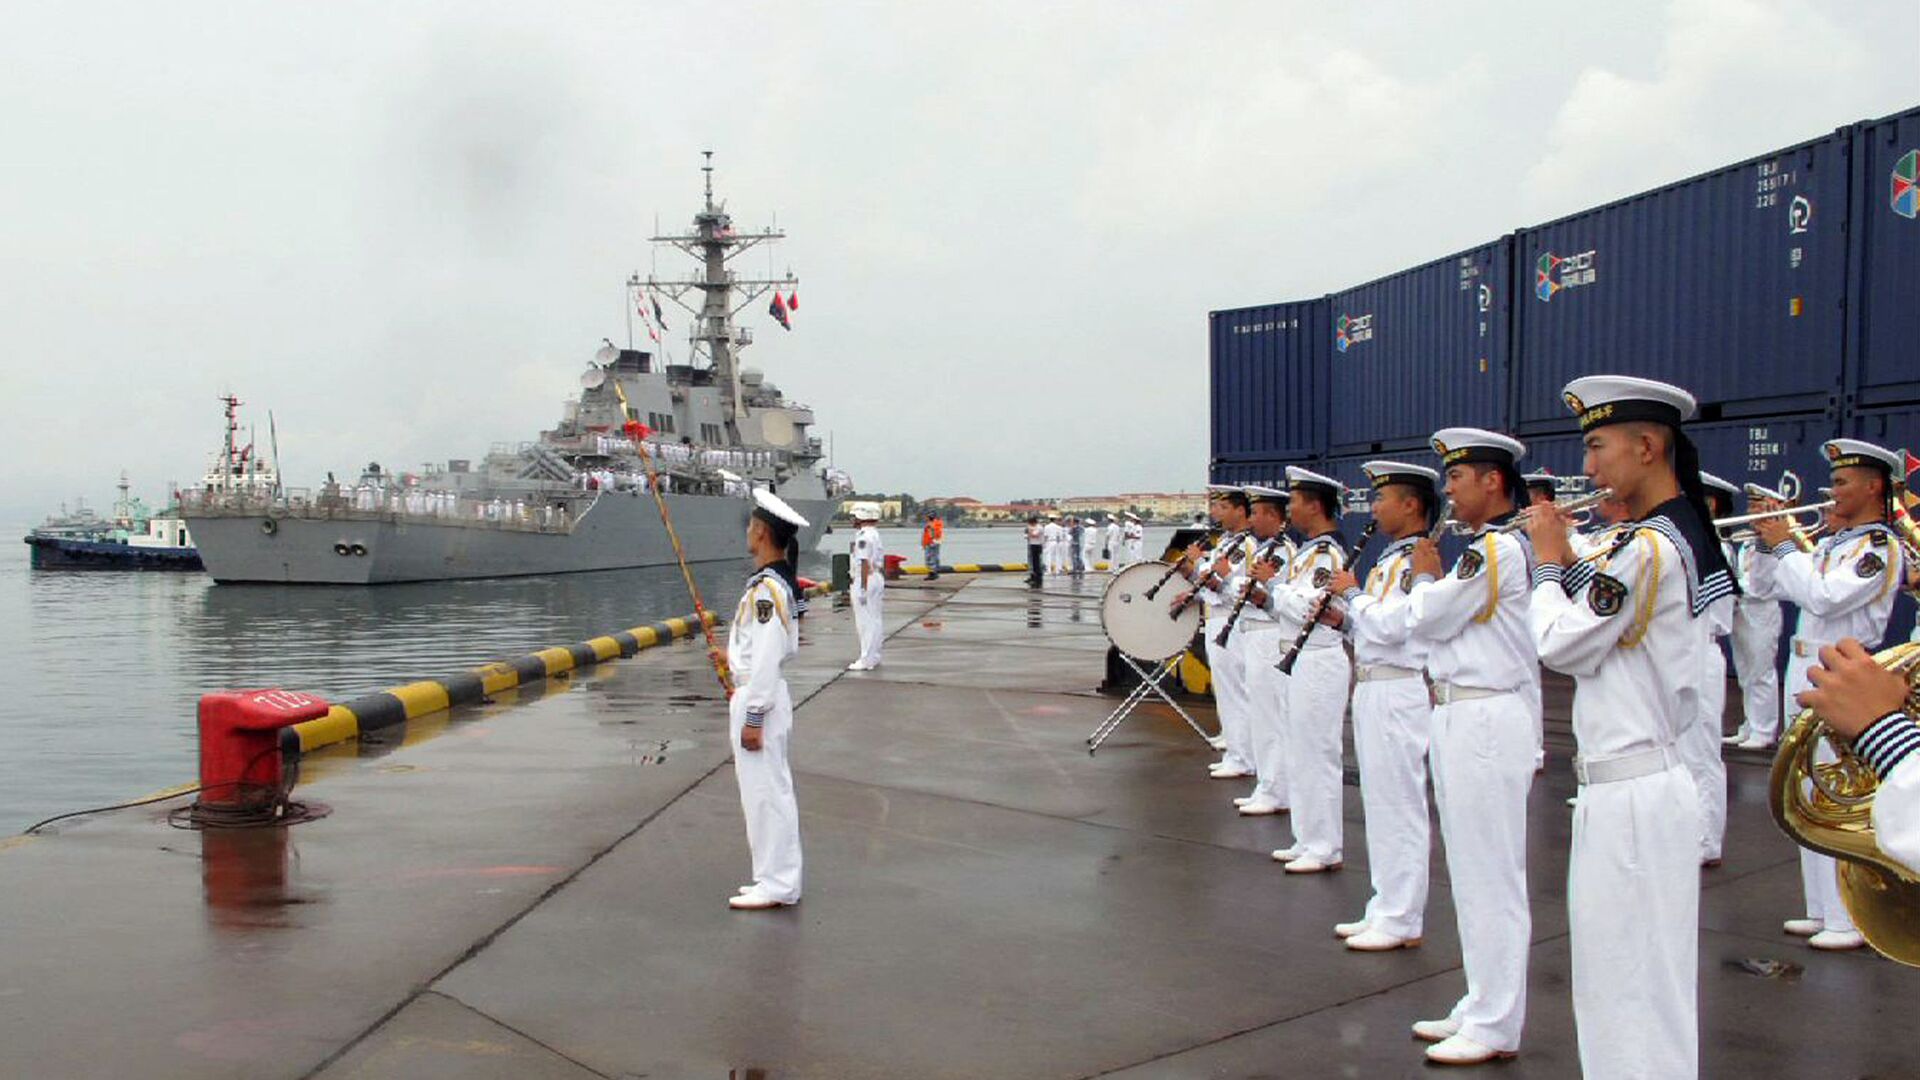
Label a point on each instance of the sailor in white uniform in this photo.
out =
(1631, 626)
(1865, 702)
(1209, 572)
(1392, 714)
(1481, 658)
(1256, 644)
(1700, 746)
(764, 633)
(1316, 688)
(1089, 543)
(1136, 537)
(1116, 554)
(1054, 544)
(869, 585)
(1845, 587)
(1542, 487)
(1756, 655)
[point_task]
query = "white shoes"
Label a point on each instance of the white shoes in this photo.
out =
(1803, 927)
(1752, 743)
(752, 899)
(1434, 1031)
(1218, 742)
(1286, 854)
(1460, 1050)
(1380, 941)
(1837, 940)
(859, 665)
(1260, 808)
(1736, 738)
(1242, 800)
(1221, 770)
(1307, 864)
(1345, 930)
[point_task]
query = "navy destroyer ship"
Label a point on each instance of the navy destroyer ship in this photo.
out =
(581, 496)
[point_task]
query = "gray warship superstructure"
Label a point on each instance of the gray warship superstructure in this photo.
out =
(579, 497)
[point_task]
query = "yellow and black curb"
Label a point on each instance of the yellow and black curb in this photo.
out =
(388, 708)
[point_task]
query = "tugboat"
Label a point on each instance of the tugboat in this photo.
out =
(581, 495)
(132, 539)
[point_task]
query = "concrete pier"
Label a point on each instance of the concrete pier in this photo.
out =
(536, 886)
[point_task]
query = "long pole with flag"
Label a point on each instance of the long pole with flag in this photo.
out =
(638, 432)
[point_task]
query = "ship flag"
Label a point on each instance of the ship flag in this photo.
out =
(657, 316)
(793, 300)
(778, 309)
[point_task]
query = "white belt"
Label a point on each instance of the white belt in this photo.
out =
(1626, 766)
(1807, 648)
(1446, 693)
(1377, 672)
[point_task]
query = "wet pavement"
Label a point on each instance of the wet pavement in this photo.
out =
(536, 888)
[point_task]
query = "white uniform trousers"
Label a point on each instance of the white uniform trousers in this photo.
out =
(1482, 759)
(1633, 905)
(1819, 874)
(867, 608)
(1756, 652)
(1699, 748)
(1316, 713)
(766, 798)
(1229, 677)
(1392, 722)
(1536, 703)
(1259, 650)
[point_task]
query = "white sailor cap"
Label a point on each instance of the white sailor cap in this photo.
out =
(1263, 493)
(1468, 445)
(864, 511)
(1224, 489)
(1542, 479)
(1299, 479)
(767, 504)
(1599, 400)
(1709, 480)
(1842, 453)
(1382, 473)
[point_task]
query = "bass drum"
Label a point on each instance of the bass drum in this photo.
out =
(1143, 628)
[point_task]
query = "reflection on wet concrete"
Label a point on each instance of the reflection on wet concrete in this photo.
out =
(243, 875)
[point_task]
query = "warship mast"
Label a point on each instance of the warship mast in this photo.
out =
(721, 294)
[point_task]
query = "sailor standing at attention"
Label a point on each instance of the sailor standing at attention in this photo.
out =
(763, 635)
(869, 585)
(1392, 714)
(1541, 488)
(1136, 539)
(1115, 541)
(1316, 688)
(1700, 748)
(1055, 538)
(1481, 659)
(1256, 646)
(1756, 652)
(1212, 575)
(1845, 587)
(1631, 626)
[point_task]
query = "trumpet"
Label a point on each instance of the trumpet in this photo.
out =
(1581, 509)
(1819, 508)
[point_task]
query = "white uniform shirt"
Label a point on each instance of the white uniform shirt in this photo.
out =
(1233, 547)
(1892, 747)
(1115, 534)
(867, 549)
(1845, 587)
(1053, 532)
(1379, 615)
(763, 634)
(1475, 618)
(1623, 625)
(1276, 551)
(1313, 565)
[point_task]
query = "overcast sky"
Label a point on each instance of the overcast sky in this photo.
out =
(403, 227)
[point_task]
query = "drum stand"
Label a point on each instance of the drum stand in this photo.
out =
(1149, 684)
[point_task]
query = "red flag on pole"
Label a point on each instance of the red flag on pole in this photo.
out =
(793, 300)
(778, 309)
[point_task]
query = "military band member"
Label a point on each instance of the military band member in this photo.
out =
(1116, 555)
(869, 585)
(1542, 487)
(1136, 538)
(1867, 703)
(763, 635)
(1256, 640)
(1210, 573)
(1631, 626)
(1392, 714)
(1756, 653)
(1700, 747)
(1845, 588)
(1481, 659)
(1315, 694)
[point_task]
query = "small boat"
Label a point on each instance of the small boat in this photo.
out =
(132, 539)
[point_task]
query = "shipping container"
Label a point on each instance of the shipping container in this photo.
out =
(1896, 429)
(1731, 284)
(1884, 302)
(1420, 350)
(1346, 469)
(1755, 450)
(1269, 382)
(1268, 472)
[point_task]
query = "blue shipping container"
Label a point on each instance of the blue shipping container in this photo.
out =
(1269, 381)
(1755, 450)
(1271, 473)
(1422, 349)
(1730, 284)
(1884, 305)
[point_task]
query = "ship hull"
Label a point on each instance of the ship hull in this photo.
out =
(619, 531)
(62, 553)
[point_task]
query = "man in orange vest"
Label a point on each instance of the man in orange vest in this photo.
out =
(930, 537)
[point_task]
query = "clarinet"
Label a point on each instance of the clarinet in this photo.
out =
(1240, 602)
(1206, 544)
(1285, 665)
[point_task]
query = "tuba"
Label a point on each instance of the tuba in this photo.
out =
(1827, 806)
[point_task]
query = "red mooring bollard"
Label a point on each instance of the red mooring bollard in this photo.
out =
(240, 743)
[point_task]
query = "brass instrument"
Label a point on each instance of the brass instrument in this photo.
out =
(1787, 494)
(1581, 509)
(1827, 806)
